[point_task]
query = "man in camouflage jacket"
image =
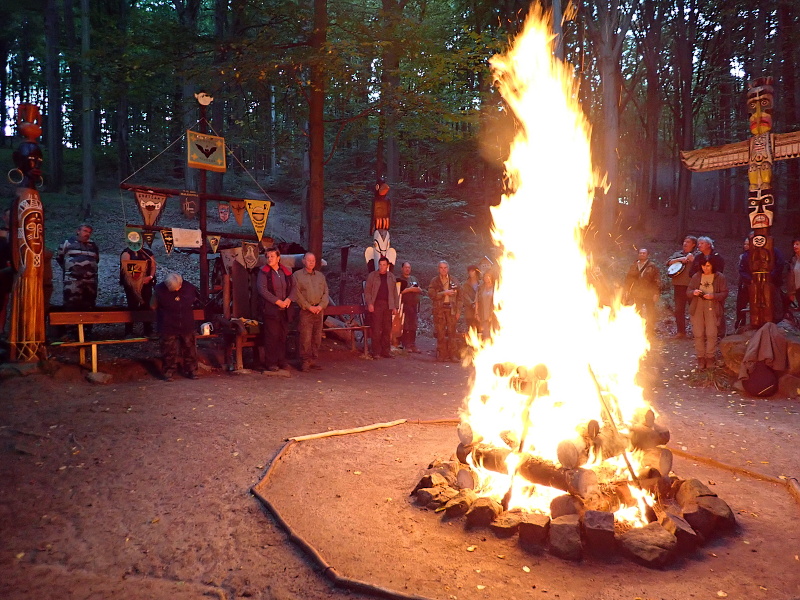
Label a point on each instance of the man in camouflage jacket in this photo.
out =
(79, 257)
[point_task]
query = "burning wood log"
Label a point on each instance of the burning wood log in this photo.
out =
(656, 459)
(579, 482)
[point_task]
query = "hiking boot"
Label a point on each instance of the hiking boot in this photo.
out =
(192, 376)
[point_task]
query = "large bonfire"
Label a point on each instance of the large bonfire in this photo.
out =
(558, 375)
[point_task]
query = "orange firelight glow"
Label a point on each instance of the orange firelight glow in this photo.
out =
(547, 311)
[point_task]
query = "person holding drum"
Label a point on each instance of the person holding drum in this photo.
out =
(678, 267)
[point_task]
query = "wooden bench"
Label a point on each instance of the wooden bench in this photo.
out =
(104, 317)
(357, 314)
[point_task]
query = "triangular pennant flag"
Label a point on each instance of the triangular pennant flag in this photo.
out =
(237, 206)
(213, 243)
(250, 254)
(150, 205)
(224, 210)
(230, 256)
(205, 151)
(259, 212)
(166, 235)
(149, 236)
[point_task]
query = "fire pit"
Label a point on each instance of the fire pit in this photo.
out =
(557, 442)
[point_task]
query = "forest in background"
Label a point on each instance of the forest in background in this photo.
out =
(326, 95)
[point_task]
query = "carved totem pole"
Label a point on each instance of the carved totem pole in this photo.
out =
(27, 335)
(759, 152)
(379, 228)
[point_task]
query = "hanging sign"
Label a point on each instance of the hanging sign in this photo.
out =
(133, 237)
(186, 238)
(205, 152)
(150, 205)
(237, 206)
(259, 212)
(190, 203)
(149, 236)
(224, 210)
(213, 243)
(166, 235)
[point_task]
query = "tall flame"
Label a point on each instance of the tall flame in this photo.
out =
(546, 310)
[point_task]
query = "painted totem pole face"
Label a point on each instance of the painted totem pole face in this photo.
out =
(30, 234)
(761, 205)
(759, 104)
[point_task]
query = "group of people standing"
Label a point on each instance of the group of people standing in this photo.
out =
(449, 299)
(698, 280)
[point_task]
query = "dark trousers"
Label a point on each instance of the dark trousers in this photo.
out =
(175, 346)
(680, 307)
(310, 327)
(134, 303)
(276, 331)
(409, 337)
(381, 329)
(646, 307)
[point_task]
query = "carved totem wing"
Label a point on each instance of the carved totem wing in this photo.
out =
(717, 157)
(787, 145)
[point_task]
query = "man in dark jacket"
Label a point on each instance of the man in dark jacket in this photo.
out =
(274, 288)
(174, 301)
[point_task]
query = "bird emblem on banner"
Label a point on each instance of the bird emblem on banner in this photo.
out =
(259, 212)
(205, 152)
(224, 210)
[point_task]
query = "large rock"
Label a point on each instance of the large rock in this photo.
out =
(565, 537)
(690, 490)
(733, 348)
(598, 531)
(652, 545)
(533, 531)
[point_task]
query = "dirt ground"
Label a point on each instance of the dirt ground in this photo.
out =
(141, 488)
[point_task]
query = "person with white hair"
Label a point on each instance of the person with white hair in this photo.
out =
(174, 300)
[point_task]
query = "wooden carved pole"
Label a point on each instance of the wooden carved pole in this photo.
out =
(27, 336)
(759, 152)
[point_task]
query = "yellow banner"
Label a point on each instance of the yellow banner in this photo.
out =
(205, 151)
(259, 212)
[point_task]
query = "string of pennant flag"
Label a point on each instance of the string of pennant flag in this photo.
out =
(151, 206)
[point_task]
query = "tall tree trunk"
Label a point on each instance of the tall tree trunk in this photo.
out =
(316, 131)
(55, 127)
(75, 68)
(121, 121)
(5, 54)
(788, 45)
(87, 137)
(608, 26)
